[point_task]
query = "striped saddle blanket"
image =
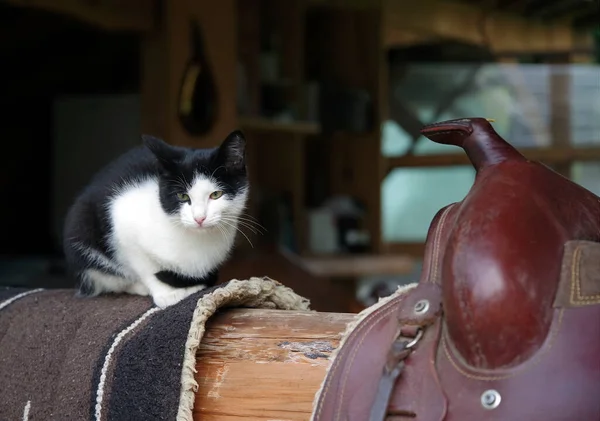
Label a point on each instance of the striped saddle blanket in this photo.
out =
(114, 357)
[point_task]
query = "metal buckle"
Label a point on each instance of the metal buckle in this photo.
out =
(417, 338)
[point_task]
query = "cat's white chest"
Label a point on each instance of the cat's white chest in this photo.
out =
(145, 239)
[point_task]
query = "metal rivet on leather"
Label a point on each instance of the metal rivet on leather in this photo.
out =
(490, 399)
(422, 306)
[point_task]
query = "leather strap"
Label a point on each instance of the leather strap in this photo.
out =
(365, 371)
(400, 350)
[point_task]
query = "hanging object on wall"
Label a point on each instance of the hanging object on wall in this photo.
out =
(198, 101)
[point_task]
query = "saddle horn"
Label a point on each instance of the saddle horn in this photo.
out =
(477, 137)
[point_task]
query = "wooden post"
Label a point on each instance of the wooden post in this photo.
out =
(560, 109)
(165, 51)
(350, 52)
(264, 364)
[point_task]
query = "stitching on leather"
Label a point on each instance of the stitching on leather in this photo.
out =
(576, 297)
(330, 375)
(353, 356)
(437, 241)
(334, 368)
(350, 363)
(436, 245)
(525, 366)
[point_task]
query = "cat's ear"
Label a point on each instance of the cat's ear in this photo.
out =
(167, 155)
(232, 152)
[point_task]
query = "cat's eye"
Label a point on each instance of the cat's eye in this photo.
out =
(216, 194)
(183, 197)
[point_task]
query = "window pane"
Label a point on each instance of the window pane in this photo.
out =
(412, 196)
(585, 104)
(588, 175)
(518, 97)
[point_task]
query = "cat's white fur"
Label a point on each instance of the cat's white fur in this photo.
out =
(146, 240)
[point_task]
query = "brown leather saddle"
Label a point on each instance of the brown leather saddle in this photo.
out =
(504, 323)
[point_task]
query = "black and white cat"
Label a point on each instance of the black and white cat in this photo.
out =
(158, 221)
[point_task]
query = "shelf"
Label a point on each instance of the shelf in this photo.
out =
(267, 125)
(355, 265)
(547, 155)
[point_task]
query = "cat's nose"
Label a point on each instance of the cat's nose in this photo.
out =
(199, 220)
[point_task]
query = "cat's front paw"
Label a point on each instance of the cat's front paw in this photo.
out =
(175, 296)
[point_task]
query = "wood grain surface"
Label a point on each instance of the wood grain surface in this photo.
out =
(264, 364)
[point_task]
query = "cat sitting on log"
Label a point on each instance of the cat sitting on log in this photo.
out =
(159, 220)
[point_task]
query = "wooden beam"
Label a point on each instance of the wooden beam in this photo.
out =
(416, 250)
(346, 4)
(113, 15)
(259, 124)
(407, 37)
(549, 156)
(584, 48)
(450, 19)
(264, 364)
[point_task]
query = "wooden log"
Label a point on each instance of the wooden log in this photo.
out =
(264, 364)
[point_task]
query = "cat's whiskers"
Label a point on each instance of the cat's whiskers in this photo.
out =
(255, 228)
(238, 229)
(185, 184)
(252, 225)
(180, 224)
(180, 182)
(176, 220)
(250, 219)
(247, 215)
(216, 169)
(222, 231)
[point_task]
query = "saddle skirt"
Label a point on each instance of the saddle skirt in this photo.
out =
(504, 323)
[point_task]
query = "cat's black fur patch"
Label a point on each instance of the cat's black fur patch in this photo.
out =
(180, 164)
(88, 222)
(177, 280)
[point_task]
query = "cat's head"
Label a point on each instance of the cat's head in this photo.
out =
(202, 188)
